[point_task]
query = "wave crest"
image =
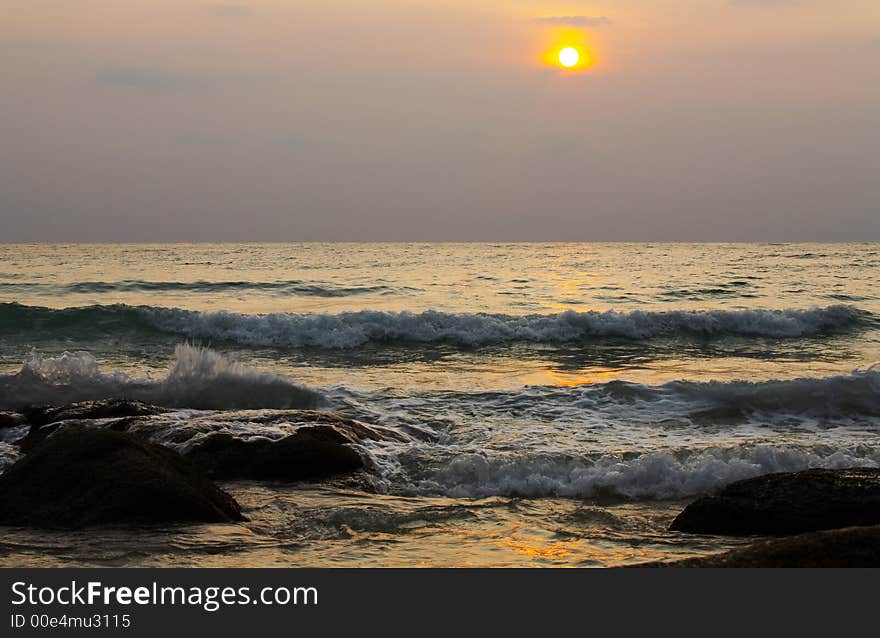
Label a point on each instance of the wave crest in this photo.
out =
(199, 378)
(367, 327)
(656, 475)
(803, 403)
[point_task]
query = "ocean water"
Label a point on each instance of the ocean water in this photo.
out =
(562, 401)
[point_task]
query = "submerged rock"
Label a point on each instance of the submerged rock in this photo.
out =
(787, 503)
(82, 477)
(849, 547)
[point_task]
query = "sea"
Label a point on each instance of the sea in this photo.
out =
(561, 402)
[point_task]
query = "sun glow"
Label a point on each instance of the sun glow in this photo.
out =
(571, 50)
(569, 57)
(570, 54)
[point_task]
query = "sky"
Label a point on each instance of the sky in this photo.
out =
(439, 120)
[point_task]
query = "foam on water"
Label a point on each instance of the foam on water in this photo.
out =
(624, 440)
(198, 378)
(807, 403)
(450, 340)
(355, 329)
(618, 439)
(656, 475)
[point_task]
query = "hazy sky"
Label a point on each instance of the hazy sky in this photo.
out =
(180, 120)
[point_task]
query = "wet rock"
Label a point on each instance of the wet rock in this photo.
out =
(13, 428)
(103, 409)
(848, 547)
(787, 503)
(37, 435)
(312, 452)
(354, 430)
(45, 420)
(82, 477)
(11, 420)
(282, 445)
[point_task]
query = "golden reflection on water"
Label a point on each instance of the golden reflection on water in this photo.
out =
(318, 527)
(535, 549)
(312, 527)
(572, 378)
(511, 279)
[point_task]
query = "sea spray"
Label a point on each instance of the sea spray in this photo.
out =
(199, 378)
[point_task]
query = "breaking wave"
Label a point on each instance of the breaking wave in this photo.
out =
(529, 442)
(366, 327)
(626, 440)
(655, 475)
(199, 378)
(799, 404)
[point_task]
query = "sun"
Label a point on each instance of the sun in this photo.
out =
(569, 57)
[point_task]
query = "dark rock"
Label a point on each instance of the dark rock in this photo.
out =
(285, 445)
(849, 547)
(318, 446)
(84, 477)
(354, 430)
(103, 409)
(11, 420)
(786, 504)
(37, 435)
(312, 452)
(13, 428)
(45, 420)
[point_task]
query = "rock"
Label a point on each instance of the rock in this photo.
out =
(46, 419)
(85, 477)
(13, 428)
(103, 409)
(354, 430)
(787, 503)
(283, 445)
(849, 547)
(11, 420)
(306, 445)
(37, 435)
(312, 452)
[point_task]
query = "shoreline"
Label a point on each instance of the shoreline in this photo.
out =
(296, 522)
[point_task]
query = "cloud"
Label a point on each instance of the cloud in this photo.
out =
(581, 21)
(228, 10)
(148, 79)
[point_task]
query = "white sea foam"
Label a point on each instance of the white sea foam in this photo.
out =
(648, 476)
(626, 440)
(806, 403)
(368, 327)
(682, 438)
(352, 329)
(198, 378)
